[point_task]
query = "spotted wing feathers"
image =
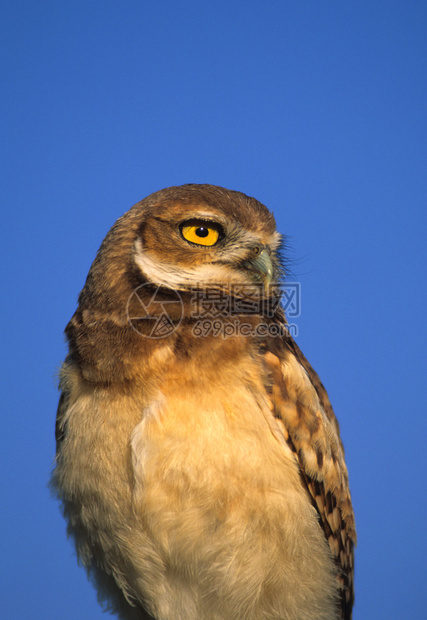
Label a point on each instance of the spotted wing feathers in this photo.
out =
(301, 403)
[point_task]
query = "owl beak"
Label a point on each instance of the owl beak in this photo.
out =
(263, 266)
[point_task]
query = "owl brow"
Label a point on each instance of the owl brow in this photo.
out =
(206, 215)
(199, 221)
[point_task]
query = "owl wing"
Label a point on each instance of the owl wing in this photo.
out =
(302, 406)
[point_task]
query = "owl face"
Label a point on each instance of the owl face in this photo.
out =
(185, 238)
(183, 245)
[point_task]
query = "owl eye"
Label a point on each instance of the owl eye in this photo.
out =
(201, 233)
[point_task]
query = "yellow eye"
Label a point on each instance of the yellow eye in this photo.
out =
(201, 233)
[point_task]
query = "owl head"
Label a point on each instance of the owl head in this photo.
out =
(180, 239)
(190, 236)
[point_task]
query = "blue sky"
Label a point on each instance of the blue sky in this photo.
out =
(316, 108)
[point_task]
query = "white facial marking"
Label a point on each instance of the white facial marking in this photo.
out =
(173, 277)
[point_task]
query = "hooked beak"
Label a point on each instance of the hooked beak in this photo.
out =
(262, 266)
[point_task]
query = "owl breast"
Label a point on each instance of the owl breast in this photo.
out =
(229, 528)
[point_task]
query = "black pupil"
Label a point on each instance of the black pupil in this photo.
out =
(202, 232)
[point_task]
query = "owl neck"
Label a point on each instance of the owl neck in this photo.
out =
(117, 346)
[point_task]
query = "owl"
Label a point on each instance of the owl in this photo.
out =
(199, 462)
